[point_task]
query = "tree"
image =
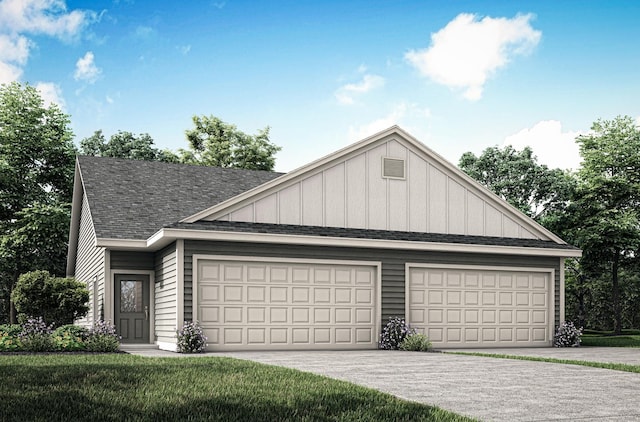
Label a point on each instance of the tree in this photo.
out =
(606, 205)
(125, 145)
(518, 178)
(215, 143)
(37, 158)
(57, 300)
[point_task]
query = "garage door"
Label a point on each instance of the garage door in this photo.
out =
(473, 307)
(266, 305)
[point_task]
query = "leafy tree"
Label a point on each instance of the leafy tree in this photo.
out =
(213, 142)
(518, 178)
(125, 145)
(36, 178)
(57, 300)
(606, 214)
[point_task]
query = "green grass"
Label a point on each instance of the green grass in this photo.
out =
(615, 366)
(119, 387)
(629, 338)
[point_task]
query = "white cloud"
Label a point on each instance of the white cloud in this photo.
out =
(184, 49)
(468, 50)
(49, 17)
(21, 18)
(346, 94)
(86, 69)
(552, 146)
(51, 94)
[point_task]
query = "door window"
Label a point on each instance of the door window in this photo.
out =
(131, 299)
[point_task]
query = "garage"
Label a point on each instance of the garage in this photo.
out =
(286, 304)
(466, 307)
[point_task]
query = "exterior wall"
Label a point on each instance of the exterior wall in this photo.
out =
(90, 266)
(128, 260)
(352, 193)
(166, 282)
(393, 266)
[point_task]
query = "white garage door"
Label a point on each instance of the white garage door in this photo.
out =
(474, 307)
(264, 305)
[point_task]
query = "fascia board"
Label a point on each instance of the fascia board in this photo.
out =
(74, 226)
(220, 209)
(121, 243)
(169, 234)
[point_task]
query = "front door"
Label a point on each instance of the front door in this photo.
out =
(132, 307)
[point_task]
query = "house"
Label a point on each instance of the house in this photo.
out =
(318, 258)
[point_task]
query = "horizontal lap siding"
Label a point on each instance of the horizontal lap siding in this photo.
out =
(90, 266)
(166, 294)
(393, 265)
(128, 260)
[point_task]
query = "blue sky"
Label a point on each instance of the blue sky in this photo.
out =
(458, 75)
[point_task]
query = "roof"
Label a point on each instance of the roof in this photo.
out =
(338, 232)
(133, 199)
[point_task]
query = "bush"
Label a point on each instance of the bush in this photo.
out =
(70, 338)
(102, 338)
(416, 343)
(191, 338)
(394, 333)
(567, 335)
(9, 340)
(36, 335)
(59, 301)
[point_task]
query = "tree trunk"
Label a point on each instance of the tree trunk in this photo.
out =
(615, 294)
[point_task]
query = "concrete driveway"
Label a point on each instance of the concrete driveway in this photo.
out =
(485, 388)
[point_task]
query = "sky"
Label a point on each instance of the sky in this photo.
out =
(457, 75)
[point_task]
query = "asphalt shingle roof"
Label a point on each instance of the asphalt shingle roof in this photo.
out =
(134, 199)
(232, 226)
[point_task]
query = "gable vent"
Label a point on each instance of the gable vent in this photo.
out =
(392, 168)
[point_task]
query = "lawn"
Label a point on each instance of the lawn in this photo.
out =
(629, 338)
(118, 387)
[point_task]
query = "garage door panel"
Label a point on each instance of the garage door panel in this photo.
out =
(480, 308)
(276, 305)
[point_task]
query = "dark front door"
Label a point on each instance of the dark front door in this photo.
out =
(132, 307)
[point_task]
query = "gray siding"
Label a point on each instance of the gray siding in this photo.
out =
(393, 265)
(166, 281)
(128, 260)
(90, 266)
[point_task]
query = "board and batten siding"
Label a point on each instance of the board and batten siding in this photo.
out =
(393, 266)
(166, 281)
(90, 266)
(353, 193)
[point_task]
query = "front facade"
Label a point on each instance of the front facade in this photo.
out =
(318, 258)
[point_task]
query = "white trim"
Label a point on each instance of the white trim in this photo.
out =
(107, 291)
(372, 264)
(551, 312)
(179, 283)
(152, 295)
(165, 345)
(562, 297)
(167, 235)
(105, 242)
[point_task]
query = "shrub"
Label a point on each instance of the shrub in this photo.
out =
(191, 338)
(394, 333)
(36, 335)
(9, 340)
(102, 337)
(416, 343)
(567, 335)
(70, 338)
(59, 301)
